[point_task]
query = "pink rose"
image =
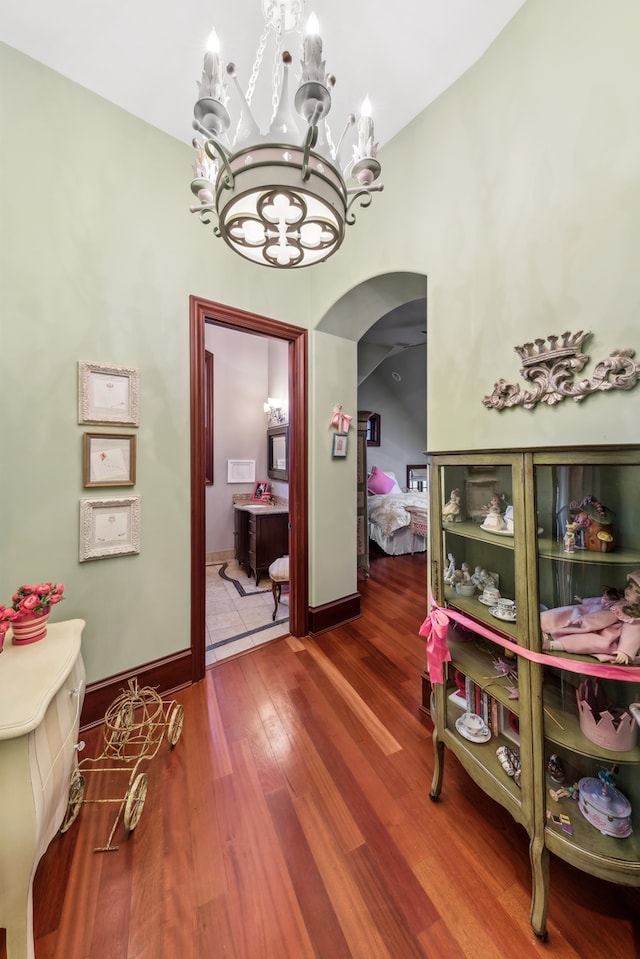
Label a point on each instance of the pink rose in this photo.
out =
(29, 602)
(55, 598)
(59, 588)
(25, 590)
(43, 588)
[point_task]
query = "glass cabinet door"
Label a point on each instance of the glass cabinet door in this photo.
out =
(478, 536)
(588, 580)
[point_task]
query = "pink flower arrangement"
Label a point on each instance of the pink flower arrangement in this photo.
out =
(35, 600)
(7, 616)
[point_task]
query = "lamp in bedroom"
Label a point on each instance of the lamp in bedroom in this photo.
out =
(279, 198)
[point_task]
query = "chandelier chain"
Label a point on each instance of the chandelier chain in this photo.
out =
(330, 143)
(256, 65)
(276, 70)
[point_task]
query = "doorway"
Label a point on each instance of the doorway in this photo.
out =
(200, 312)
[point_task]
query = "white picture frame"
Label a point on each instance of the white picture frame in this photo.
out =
(241, 471)
(108, 394)
(109, 526)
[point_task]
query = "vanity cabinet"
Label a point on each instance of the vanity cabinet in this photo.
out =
(568, 772)
(261, 535)
(41, 695)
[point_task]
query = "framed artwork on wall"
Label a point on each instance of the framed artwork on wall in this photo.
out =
(109, 527)
(108, 394)
(109, 459)
(241, 471)
(340, 444)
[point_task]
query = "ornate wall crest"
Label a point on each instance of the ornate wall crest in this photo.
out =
(550, 366)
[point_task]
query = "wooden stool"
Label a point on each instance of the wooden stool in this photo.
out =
(279, 574)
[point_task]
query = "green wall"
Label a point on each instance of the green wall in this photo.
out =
(516, 193)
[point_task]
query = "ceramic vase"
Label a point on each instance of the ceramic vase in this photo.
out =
(29, 628)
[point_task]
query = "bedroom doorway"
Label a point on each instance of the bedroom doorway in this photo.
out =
(206, 311)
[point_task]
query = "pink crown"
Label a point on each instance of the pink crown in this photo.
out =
(614, 729)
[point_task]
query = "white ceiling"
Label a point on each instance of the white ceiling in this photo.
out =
(146, 55)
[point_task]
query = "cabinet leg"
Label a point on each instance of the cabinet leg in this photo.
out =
(539, 857)
(438, 769)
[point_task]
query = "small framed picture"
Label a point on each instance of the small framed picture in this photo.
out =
(109, 527)
(340, 443)
(261, 491)
(109, 459)
(108, 394)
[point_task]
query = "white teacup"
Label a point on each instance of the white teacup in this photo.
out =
(506, 608)
(474, 723)
(490, 595)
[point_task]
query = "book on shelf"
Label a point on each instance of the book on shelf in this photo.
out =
(500, 720)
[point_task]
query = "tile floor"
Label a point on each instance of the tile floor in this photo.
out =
(236, 622)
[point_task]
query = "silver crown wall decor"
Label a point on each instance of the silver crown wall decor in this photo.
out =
(551, 365)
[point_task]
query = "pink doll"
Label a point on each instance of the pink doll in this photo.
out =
(607, 627)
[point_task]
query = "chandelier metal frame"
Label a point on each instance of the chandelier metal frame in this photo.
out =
(279, 199)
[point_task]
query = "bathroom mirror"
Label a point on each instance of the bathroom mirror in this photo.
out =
(278, 452)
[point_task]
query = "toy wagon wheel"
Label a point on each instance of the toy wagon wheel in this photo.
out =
(134, 803)
(76, 795)
(176, 722)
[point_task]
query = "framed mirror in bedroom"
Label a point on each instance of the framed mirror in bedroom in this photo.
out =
(278, 452)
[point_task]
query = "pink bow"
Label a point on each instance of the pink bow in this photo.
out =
(434, 630)
(341, 421)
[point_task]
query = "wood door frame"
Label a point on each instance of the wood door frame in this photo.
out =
(200, 312)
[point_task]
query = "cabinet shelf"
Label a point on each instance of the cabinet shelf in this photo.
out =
(472, 606)
(586, 840)
(549, 549)
(566, 732)
(482, 760)
(470, 530)
(476, 663)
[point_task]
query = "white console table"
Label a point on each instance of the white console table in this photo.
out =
(41, 695)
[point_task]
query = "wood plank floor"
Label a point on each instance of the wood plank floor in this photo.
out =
(292, 821)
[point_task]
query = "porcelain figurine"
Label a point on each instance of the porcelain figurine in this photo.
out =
(450, 574)
(595, 523)
(451, 512)
(494, 521)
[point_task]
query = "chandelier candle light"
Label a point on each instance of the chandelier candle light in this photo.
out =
(281, 198)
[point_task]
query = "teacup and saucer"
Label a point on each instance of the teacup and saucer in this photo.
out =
(504, 609)
(490, 596)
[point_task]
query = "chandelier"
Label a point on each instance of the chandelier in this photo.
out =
(280, 198)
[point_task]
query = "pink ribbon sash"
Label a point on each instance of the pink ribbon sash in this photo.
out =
(434, 630)
(438, 651)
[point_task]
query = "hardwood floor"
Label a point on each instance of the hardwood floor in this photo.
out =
(292, 820)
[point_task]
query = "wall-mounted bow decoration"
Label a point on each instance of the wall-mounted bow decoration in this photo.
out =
(341, 421)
